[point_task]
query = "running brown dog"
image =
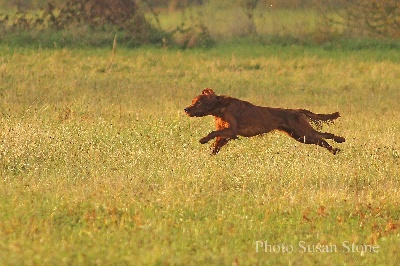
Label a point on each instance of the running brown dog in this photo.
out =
(235, 117)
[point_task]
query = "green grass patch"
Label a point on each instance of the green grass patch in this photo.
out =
(100, 165)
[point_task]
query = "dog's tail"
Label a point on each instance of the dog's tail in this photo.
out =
(319, 119)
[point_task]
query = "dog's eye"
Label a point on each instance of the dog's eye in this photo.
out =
(198, 103)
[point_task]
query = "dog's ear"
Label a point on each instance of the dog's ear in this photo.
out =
(208, 91)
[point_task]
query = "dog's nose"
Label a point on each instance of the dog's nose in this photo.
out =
(186, 110)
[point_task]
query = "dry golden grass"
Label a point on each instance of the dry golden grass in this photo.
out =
(99, 164)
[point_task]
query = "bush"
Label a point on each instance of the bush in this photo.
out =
(363, 18)
(96, 18)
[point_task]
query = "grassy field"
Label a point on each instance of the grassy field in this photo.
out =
(100, 165)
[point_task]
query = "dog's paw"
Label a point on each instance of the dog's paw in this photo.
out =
(339, 139)
(334, 151)
(204, 140)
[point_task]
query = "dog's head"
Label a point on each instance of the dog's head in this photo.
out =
(207, 103)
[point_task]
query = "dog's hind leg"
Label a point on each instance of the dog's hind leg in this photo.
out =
(335, 138)
(313, 137)
(318, 141)
(323, 143)
(305, 129)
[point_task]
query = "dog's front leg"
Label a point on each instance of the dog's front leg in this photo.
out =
(218, 144)
(226, 133)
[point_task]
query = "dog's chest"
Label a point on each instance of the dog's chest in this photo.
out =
(220, 123)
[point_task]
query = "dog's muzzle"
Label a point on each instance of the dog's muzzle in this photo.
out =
(187, 111)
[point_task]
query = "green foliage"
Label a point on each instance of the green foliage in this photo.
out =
(81, 22)
(85, 23)
(100, 165)
(362, 18)
(124, 14)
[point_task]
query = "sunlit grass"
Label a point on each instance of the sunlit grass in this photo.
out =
(100, 165)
